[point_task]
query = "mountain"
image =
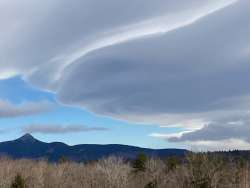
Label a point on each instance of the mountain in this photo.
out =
(29, 147)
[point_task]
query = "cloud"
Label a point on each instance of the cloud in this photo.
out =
(59, 129)
(172, 63)
(217, 132)
(230, 127)
(7, 74)
(159, 25)
(230, 132)
(9, 110)
(169, 136)
(150, 77)
(204, 144)
(221, 144)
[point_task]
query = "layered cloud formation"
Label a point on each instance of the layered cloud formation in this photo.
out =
(173, 63)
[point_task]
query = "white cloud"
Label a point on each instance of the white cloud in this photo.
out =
(5, 74)
(169, 135)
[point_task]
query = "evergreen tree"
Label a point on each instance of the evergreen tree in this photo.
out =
(139, 164)
(18, 182)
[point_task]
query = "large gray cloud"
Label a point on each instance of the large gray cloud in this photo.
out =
(175, 77)
(194, 69)
(163, 61)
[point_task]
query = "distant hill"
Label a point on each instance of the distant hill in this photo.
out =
(29, 147)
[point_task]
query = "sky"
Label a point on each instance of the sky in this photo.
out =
(158, 74)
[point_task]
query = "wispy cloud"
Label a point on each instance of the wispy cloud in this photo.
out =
(59, 129)
(9, 110)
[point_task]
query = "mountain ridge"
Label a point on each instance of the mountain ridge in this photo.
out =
(31, 148)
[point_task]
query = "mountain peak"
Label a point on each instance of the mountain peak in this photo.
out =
(31, 148)
(27, 138)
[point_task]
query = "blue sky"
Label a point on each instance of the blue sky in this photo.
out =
(16, 90)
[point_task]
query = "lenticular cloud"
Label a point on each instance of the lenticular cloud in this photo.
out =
(162, 61)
